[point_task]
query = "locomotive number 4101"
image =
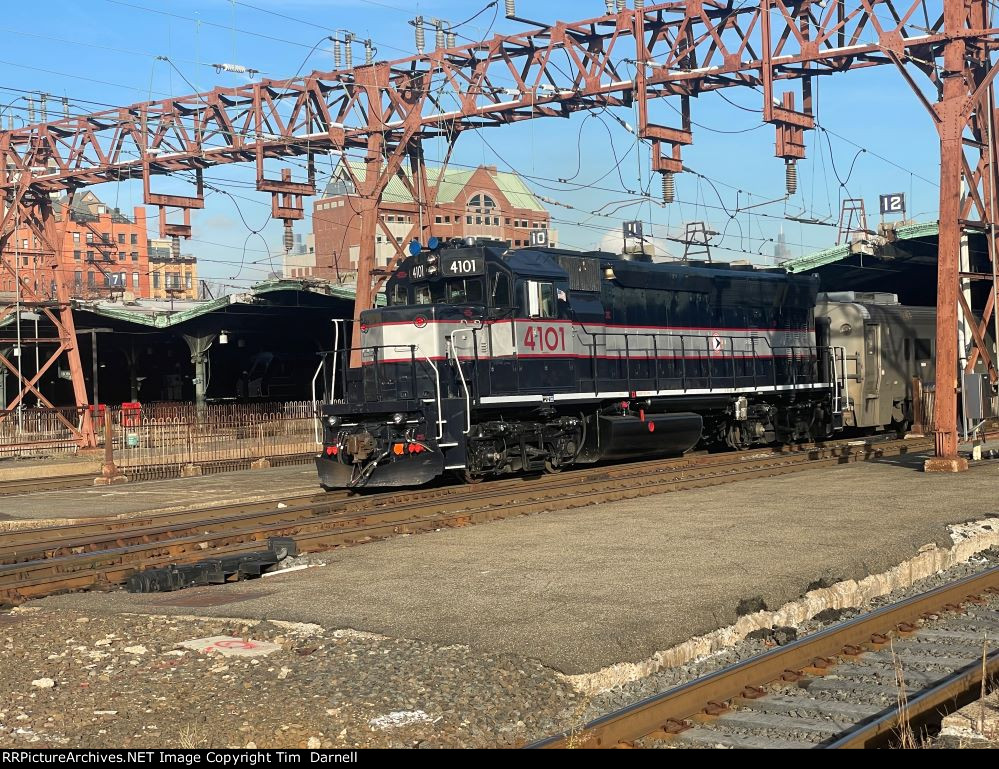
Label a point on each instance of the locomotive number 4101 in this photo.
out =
(544, 339)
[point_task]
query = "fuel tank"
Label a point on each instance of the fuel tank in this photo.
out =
(629, 437)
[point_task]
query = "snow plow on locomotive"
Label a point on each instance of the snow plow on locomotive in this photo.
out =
(486, 361)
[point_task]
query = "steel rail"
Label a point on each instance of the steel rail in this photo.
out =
(668, 713)
(33, 485)
(388, 515)
(47, 542)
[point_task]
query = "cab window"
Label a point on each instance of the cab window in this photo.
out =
(421, 293)
(397, 294)
(541, 299)
(463, 291)
(500, 289)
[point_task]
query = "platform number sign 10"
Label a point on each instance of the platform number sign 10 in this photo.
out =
(893, 203)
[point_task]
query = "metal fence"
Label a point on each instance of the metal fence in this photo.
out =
(159, 440)
(34, 432)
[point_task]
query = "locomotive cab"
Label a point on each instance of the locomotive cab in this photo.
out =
(405, 404)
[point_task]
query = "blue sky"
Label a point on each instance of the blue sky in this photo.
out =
(879, 138)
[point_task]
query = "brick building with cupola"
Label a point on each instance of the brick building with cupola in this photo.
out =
(479, 202)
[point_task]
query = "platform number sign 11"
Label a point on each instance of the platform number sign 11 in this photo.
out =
(893, 203)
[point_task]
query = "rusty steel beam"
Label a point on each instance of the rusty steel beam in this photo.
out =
(385, 110)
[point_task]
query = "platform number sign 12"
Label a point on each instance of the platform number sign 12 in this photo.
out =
(893, 203)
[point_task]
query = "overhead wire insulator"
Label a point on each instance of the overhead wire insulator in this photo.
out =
(289, 237)
(65, 107)
(31, 109)
(439, 38)
(348, 53)
(511, 8)
(43, 106)
(421, 34)
(639, 4)
(669, 187)
(175, 246)
(621, 5)
(791, 175)
(452, 39)
(609, 5)
(337, 54)
(369, 52)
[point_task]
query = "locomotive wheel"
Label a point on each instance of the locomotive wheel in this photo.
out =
(551, 468)
(467, 476)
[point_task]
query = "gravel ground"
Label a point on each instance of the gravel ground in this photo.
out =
(122, 681)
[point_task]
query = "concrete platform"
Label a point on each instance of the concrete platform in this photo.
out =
(17, 469)
(152, 496)
(586, 588)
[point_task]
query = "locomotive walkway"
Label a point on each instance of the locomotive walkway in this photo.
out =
(583, 589)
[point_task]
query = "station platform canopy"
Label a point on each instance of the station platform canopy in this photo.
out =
(898, 259)
(261, 343)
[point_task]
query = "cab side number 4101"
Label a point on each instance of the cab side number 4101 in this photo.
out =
(545, 339)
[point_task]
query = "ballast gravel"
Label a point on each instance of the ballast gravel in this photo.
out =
(125, 680)
(74, 680)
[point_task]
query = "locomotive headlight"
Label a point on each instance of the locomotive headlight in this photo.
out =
(333, 421)
(398, 418)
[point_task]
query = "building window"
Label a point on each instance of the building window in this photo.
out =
(76, 255)
(438, 220)
(135, 256)
(481, 201)
(79, 278)
(76, 237)
(25, 246)
(90, 256)
(121, 238)
(188, 282)
(106, 237)
(156, 280)
(495, 221)
(507, 221)
(90, 237)
(90, 279)
(135, 239)
(135, 281)
(468, 220)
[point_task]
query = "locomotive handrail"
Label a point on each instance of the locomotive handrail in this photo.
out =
(413, 349)
(461, 375)
(795, 354)
(318, 420)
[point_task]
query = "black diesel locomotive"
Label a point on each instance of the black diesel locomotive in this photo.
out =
(487, 360)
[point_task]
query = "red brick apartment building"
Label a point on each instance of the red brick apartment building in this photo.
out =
(480, 202)
(102, 250)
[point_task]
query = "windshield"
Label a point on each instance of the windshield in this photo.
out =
(450, 291)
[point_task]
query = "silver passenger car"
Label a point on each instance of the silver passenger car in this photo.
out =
(878, 347)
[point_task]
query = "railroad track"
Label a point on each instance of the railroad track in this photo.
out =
(39, 562)
(32, 485)
(838, 688)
